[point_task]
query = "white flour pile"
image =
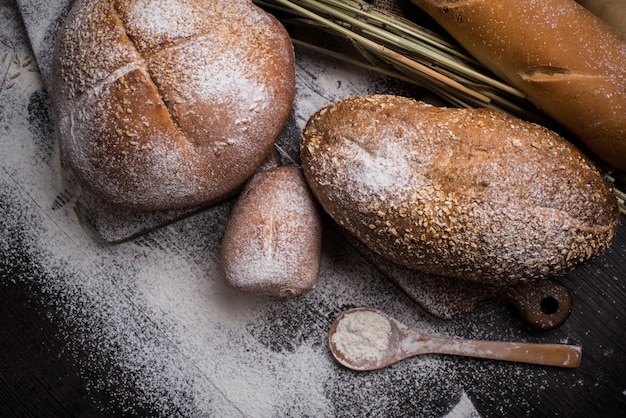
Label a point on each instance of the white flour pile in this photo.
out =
(151, 325)
(362, 335)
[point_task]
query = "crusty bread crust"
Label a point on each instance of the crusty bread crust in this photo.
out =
(468, 193)
(163, 105)
(570, 63)
(273, 240)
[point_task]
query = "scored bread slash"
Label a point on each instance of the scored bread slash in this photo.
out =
(272, 243)
(149, 98)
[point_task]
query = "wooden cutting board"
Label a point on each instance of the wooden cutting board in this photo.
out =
(542, 304)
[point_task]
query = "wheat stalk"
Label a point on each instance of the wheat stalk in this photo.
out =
(402, 49)
(406, 51)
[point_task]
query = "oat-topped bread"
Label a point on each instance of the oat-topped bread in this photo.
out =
(468, 193)
(166, 104)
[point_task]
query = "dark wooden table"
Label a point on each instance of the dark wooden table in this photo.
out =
(46, 372)
(40, 376)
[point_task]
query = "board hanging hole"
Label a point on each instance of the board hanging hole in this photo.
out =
(549, 305)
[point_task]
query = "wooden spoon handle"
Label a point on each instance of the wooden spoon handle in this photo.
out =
(546, 354)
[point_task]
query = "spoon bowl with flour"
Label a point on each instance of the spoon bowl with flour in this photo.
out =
(368, 339)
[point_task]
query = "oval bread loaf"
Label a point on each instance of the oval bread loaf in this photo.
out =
(468, 193)
(168, 104)
(570, 63)
(272, 243)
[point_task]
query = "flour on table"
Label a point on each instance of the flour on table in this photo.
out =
(150, 323)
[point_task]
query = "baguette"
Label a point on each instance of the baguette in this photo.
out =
(473, 194)
(570, 63)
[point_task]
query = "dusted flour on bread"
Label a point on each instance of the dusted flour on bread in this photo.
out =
(468, 193)
(272, 243)
(168, 104)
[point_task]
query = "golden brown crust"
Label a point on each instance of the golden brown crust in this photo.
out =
(272, 243)
(468, 193)
(170, 105)
(569, 62)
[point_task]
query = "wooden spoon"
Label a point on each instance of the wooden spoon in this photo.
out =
(368, 339)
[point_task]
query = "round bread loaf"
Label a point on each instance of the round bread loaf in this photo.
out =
(167, 104)
(467, 193)
(272, 243)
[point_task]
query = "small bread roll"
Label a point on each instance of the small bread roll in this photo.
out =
(168, 104)
(272, 243)
(473, 194)
(570, 63)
